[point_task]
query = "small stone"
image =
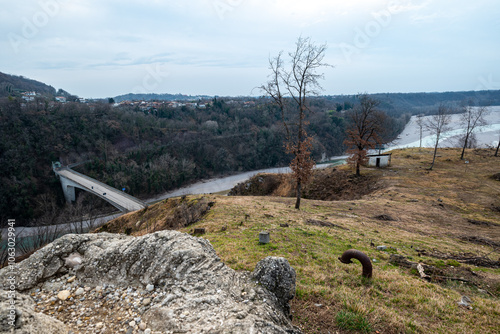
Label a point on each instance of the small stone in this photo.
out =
(99, 325)
(381, 247)
(146, 301)
(131, 324)
(63, 295)
(142, 326)
(147, 331)
(71, 279)
(150, 287)
(98, 288)
(79, 291)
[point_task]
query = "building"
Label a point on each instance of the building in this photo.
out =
(379, 160)
(29, 96)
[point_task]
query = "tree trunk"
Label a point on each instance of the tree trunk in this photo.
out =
(498, 146)
(465, 145)
(358, 172)
(435, 152)
(299, 194)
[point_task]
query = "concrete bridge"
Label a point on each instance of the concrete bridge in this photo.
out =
(71, 180)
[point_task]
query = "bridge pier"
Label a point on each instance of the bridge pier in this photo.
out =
(68, 189)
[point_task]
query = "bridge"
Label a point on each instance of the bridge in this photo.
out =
(71, 179)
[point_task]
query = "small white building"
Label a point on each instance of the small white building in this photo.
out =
(29, 96)
(379, 160)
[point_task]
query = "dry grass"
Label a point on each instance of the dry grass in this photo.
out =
(171, 213)
(431, 210)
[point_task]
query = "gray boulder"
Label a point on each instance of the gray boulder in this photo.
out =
(277, 276)
(196, 292)
(22, 319)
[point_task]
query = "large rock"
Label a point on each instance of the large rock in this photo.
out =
(22, 319)
(197, 292)
(276, 274)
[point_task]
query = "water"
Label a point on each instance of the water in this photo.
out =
(223, 184)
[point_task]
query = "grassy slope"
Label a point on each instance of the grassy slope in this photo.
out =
(431, 211)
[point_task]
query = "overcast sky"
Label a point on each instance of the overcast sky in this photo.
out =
(221, 47)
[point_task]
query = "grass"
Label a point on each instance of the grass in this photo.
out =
(431, 211)
(350, 320)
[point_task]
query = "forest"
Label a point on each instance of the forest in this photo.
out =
(145, 152)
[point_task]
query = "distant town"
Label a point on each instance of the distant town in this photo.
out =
(142, 105)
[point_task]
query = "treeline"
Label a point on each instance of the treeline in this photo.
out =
(420, 103)
(153, 96)
(145, 152)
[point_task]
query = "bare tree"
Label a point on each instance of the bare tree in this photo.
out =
(437, 124)
(288, 88)
(420, 123)
(498, 146)
(471, 118)
(364, 131)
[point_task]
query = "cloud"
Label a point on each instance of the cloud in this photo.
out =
(109, 39)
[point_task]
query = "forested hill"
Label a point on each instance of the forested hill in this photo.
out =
(146, 151)
(426, 103)
(13, 85)
(392, 103)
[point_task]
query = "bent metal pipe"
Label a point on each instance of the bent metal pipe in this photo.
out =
(361, 257)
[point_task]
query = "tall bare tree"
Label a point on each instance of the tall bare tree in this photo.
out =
(289, 86)
(437, 124)
(364, 130)
(498, 147)
(420, 123)
(471, 118)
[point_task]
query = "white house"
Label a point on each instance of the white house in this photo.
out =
(29, 96)
(379, 160)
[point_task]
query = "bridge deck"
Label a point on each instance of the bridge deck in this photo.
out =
(102, 190)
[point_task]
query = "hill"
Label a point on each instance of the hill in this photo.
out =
(13, 85)
(448, 220)
(392, 103)
(426, 103)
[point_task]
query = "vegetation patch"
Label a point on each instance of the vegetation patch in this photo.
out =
(329, 184)
(353, 321)
(173, 213)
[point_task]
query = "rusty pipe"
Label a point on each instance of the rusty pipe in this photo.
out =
(361, 257)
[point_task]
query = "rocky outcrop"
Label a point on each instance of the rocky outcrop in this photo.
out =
(276, 274)
(170, 281)
(22, 319)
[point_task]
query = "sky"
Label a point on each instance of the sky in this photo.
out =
(106, 48)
